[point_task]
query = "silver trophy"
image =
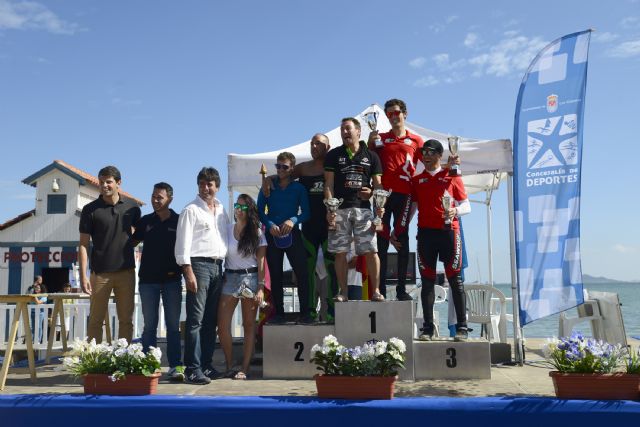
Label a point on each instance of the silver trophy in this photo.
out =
(371, 117)
(446, 204)
(245, 292)
(332, 205)
(380, 197)
(454, 148)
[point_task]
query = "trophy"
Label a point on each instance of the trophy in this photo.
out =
(446, 204)
(371, 117)
(379, 199)
(454, 148)
(332, 205)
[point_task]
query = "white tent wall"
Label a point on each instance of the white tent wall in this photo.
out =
(484, 164)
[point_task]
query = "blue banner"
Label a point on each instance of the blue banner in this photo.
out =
(547, 171)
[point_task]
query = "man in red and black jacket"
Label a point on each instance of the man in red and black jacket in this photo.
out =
(440, 200)
(399, 151)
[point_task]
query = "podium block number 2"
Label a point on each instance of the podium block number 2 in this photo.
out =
(372, 317)
(300, 347)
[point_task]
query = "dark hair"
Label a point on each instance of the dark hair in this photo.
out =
(285, 155)
(164, 186)
(209, 174)
(111, 171)
(393, 102)
(249, 238)
(355, 122)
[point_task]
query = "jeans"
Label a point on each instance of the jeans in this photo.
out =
(171, 293)
(202, 314)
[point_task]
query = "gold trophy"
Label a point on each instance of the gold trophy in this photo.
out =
(371, 117)
(380, 197)
(332, 205)
(454, 148)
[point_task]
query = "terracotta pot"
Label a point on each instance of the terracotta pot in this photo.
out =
(596, 386)
(340, 387)
(130, 385)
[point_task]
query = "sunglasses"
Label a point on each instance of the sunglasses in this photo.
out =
(430, 152)
(241, 207)
(392, 114)
(281, 166)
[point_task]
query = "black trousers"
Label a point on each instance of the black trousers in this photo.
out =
(298, 260)
(398, 205)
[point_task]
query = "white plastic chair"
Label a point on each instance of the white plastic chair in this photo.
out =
(481, 310)
(440, 297)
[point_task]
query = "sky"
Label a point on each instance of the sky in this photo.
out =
(162, 88)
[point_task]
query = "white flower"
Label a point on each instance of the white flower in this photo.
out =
(399, 344)
(122, 342)
(120, 352)
(329, 340)
(156, 353)
(316, 347)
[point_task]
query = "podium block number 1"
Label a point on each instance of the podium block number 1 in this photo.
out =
(372, 317)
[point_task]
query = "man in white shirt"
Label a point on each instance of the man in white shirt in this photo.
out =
(201, 245)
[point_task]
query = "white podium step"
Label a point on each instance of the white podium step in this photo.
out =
(361, 321)
(286, 350)
(444, 358)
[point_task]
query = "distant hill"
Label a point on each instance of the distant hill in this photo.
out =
(587, 280)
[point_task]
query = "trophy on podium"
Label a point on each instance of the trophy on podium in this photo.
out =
(332, 205)
(454, 148)
(371, 117)
(380, 197)
(446, 204)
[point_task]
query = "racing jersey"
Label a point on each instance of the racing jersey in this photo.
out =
(427, 193)
(399, 157)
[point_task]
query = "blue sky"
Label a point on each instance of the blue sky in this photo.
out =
(161, 88)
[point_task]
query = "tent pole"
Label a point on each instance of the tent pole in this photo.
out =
(517, 330)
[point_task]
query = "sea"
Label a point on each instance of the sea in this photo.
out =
(628, 293)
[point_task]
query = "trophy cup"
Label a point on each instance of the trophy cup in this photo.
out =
(332, 205)
(454, 148)
(371, 117)
(379, 199)
(446, 204)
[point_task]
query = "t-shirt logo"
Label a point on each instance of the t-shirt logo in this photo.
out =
(318, 187)
(408, 141)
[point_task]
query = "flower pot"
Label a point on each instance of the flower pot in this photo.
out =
(340, 387)
(130, 385)
(596, 386)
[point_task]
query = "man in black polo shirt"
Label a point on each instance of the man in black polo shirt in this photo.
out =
(108, 222)
(350, 172)
(160, 275)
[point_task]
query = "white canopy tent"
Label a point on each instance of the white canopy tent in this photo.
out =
(484, 164)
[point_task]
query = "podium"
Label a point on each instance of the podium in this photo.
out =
(287, 350)
(444, 358)
(361, 321)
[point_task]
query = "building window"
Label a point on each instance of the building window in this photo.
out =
(56, 204)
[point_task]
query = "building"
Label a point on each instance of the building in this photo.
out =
(44, 241)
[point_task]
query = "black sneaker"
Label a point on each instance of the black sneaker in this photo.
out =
(195, 376)
(462, 334)
(427, 333)
(403, 296)
(278, 319)
(212, 373)
(306, 320)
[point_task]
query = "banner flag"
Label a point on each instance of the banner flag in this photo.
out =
(547, 170)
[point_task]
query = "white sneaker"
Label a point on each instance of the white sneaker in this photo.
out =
(176, 373)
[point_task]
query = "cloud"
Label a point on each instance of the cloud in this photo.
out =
(418, 62)
(626, 49)
(439, 27)
(509, 55)
(426, 81)
(624, 249)
(471, 40)
(451, 18)
(630, 22)
(28, 15)
(605, 37)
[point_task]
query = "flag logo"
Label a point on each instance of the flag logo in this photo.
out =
(552, 103)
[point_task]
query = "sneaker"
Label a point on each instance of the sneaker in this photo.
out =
(427, 333)
(195, 376)
(278, 319)
(462, 334)
(176, 373)
(306, 320)
(403, 296)
(212, 373)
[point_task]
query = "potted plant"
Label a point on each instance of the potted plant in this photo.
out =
(363, 372)
(119, 369)
(590, 369)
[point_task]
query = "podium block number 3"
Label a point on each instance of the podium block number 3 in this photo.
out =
(452, 362)
(299, 345)
(372, 317)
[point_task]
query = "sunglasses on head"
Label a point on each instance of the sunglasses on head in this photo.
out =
(391, 114)
(241, 207)
(281, 166)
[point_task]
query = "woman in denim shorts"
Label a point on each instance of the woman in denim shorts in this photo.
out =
(243, 280)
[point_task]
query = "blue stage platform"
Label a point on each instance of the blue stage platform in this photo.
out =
(97, 411)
